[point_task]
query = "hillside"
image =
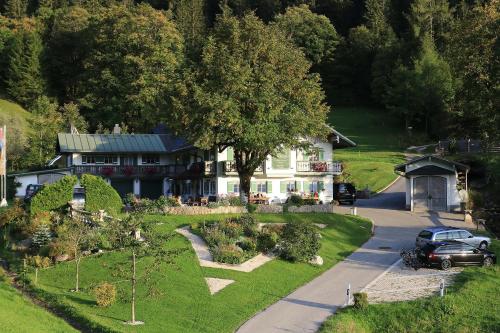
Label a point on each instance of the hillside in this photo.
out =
(380, 140)
(16, 118)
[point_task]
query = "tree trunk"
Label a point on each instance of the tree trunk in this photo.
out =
(244, 187)
(133, 287)
(77, 262)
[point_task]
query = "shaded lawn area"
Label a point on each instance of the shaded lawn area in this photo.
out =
(186, 304)
(471, 305)
(381, 141)
(19, 315)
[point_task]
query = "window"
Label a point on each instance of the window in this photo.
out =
(425, 234)
(464, 234)
(453, 235)
(233, 187)
(127, 160)
(209, 187)
(314, 154)
(315, 186)
(281, 160)
(150, 159)
(261, 187)
(99, 159)
(441, 236)
(287, 186)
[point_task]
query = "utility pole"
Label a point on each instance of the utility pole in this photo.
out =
(3, 166)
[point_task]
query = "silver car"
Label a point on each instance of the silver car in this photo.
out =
(443, 234)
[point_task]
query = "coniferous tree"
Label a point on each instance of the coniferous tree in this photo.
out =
(191, 20)
(24, 75)
(16, 8)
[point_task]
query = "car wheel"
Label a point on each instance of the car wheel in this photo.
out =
(483, 246)
(487, 262)
(445, 264)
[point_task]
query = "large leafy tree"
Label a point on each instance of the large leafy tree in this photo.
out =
(313, 33)
(190, 19)
(474, 56)
(135, 55)
(252, 91)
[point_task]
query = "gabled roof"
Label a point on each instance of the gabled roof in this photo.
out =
(110, 143)
(429, 165)
(339, 140)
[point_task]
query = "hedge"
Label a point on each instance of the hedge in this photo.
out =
(100, 195)
(54, 196)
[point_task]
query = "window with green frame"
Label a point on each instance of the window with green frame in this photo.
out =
(281, 160)
(233, 187)
(230, 154)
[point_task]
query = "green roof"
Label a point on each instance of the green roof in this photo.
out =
(110, 143)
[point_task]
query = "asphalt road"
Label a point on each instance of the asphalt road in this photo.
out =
(305, 309)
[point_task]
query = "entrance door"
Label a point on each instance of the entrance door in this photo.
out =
(151, 188)
(429, 193)
(123, 186)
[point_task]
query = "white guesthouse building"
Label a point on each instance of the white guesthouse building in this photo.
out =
(150, 165)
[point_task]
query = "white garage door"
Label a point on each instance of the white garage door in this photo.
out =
(429, 193)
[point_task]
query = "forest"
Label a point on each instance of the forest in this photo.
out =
(431, 64)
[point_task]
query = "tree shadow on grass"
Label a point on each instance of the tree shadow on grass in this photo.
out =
(82, 301)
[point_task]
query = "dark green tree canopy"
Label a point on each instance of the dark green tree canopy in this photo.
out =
(252, 91)
(135, 56)
(313, 33)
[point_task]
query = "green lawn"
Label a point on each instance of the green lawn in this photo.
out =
(380, 141)
(186, 304)
(471, 305)
(13, 115)
(18, 315)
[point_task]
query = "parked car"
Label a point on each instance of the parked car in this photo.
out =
(442, 234)
(344, 193)
(452, 253)
(31, 190)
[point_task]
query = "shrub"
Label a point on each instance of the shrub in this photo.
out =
(227, 253)
(57, 248)
(53, 196)
(249, 225)
(105, 294)
(234, 201)
(247, 244)
(299, 242)
(360, 300)
(35, 222)
(296, 200)
(164, 201)
(251, 208)
(231, 228)
(274, 227)
(214, 236)
(213, 205)
(309, 201)
(15, 214)
(266, 241)
(41, 237)
(100, 195)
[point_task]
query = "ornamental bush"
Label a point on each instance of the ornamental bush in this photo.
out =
(105, 294)
(100, 195)
(299, 242)
(228, 253)
(266, 241)
(360, 300)
(296, 200)
(53, 196)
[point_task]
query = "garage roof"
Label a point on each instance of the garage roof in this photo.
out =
(430, 165)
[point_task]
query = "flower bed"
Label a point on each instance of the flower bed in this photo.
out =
(237, 239)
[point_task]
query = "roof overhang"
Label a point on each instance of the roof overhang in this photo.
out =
(39, 172)
(339, 140)
(430, 165)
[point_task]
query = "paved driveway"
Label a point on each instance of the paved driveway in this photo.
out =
(306, 308)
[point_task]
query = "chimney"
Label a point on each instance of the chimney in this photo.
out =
(117, 129)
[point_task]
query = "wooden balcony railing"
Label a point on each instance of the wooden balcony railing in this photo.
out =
(131, 170)
(230, 167)
(319, 167)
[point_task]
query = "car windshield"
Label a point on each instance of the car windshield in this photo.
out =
(425, 234)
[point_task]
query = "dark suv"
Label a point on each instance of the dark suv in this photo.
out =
(344, 193)
(452, 253)
(31, 190)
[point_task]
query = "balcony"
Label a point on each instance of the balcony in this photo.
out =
(319, 167)
(131, 170)
(229, 168)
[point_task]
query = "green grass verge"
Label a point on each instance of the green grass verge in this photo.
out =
(380, 140)
(19, 315)
(186, 304)
(471, 305)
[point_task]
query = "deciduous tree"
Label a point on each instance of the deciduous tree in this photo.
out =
(252, 91)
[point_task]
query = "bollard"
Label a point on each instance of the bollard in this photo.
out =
(354, 211)
(441, 288)
(348, 295)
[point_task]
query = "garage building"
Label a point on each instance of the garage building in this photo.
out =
(433, 183)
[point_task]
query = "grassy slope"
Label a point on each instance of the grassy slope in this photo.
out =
(16, 310)
(12, 114)
(380, 140)
(186, 305)
(471, 305)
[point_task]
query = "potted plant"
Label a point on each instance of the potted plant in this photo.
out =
(107, 171)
